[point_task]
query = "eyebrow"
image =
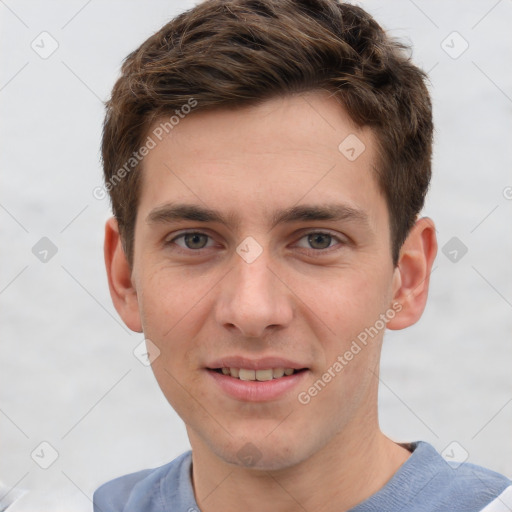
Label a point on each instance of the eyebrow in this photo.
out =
(171, 212)
(330, 212)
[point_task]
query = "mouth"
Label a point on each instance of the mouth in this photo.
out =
(269, 378)
(264, 384)
(262, 375)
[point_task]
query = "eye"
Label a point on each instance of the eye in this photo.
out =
(318, 240)
(192, 240)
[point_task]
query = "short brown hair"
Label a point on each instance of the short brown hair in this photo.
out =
(235, 53)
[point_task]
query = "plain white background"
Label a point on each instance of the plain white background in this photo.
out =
(68, 374)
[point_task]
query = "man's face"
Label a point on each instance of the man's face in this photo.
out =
(259, 245)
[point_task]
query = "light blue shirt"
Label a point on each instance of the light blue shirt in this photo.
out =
(424, 483)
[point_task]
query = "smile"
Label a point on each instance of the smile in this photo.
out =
(261, 385)
(257, 375)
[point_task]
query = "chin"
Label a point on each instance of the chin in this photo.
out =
(263, 454)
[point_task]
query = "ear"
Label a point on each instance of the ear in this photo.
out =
(412, 274)
(122, 291)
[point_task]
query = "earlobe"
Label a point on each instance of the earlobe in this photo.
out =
(119, 272)
(412, 274)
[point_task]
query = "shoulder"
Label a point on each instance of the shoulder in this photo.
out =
(144, 490)
(454, 486)
(428, 483)
(472, 485)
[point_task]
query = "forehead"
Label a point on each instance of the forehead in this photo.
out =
(286, 150)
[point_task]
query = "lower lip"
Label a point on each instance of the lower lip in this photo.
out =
(256, 391)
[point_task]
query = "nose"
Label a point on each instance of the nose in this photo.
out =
(253, 300)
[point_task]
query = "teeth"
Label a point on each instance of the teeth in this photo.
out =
(278, 372)
(262, 375)
(259, 375)
(246, 374)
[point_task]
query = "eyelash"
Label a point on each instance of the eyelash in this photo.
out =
(310, 251)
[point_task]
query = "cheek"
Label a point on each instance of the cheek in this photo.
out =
(178, 385)
(172, 301)
(176, 307)
(346, 311)
(172, 314)
(345, 301)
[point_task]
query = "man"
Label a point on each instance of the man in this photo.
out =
(267, 162)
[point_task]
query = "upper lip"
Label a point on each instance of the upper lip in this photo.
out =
(254, 364)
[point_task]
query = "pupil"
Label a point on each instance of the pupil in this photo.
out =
(319, 240)
(195, 240)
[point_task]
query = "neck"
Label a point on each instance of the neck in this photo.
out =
(345, 472)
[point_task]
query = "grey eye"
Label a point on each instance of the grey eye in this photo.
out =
(319, 240)
(195, 240)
